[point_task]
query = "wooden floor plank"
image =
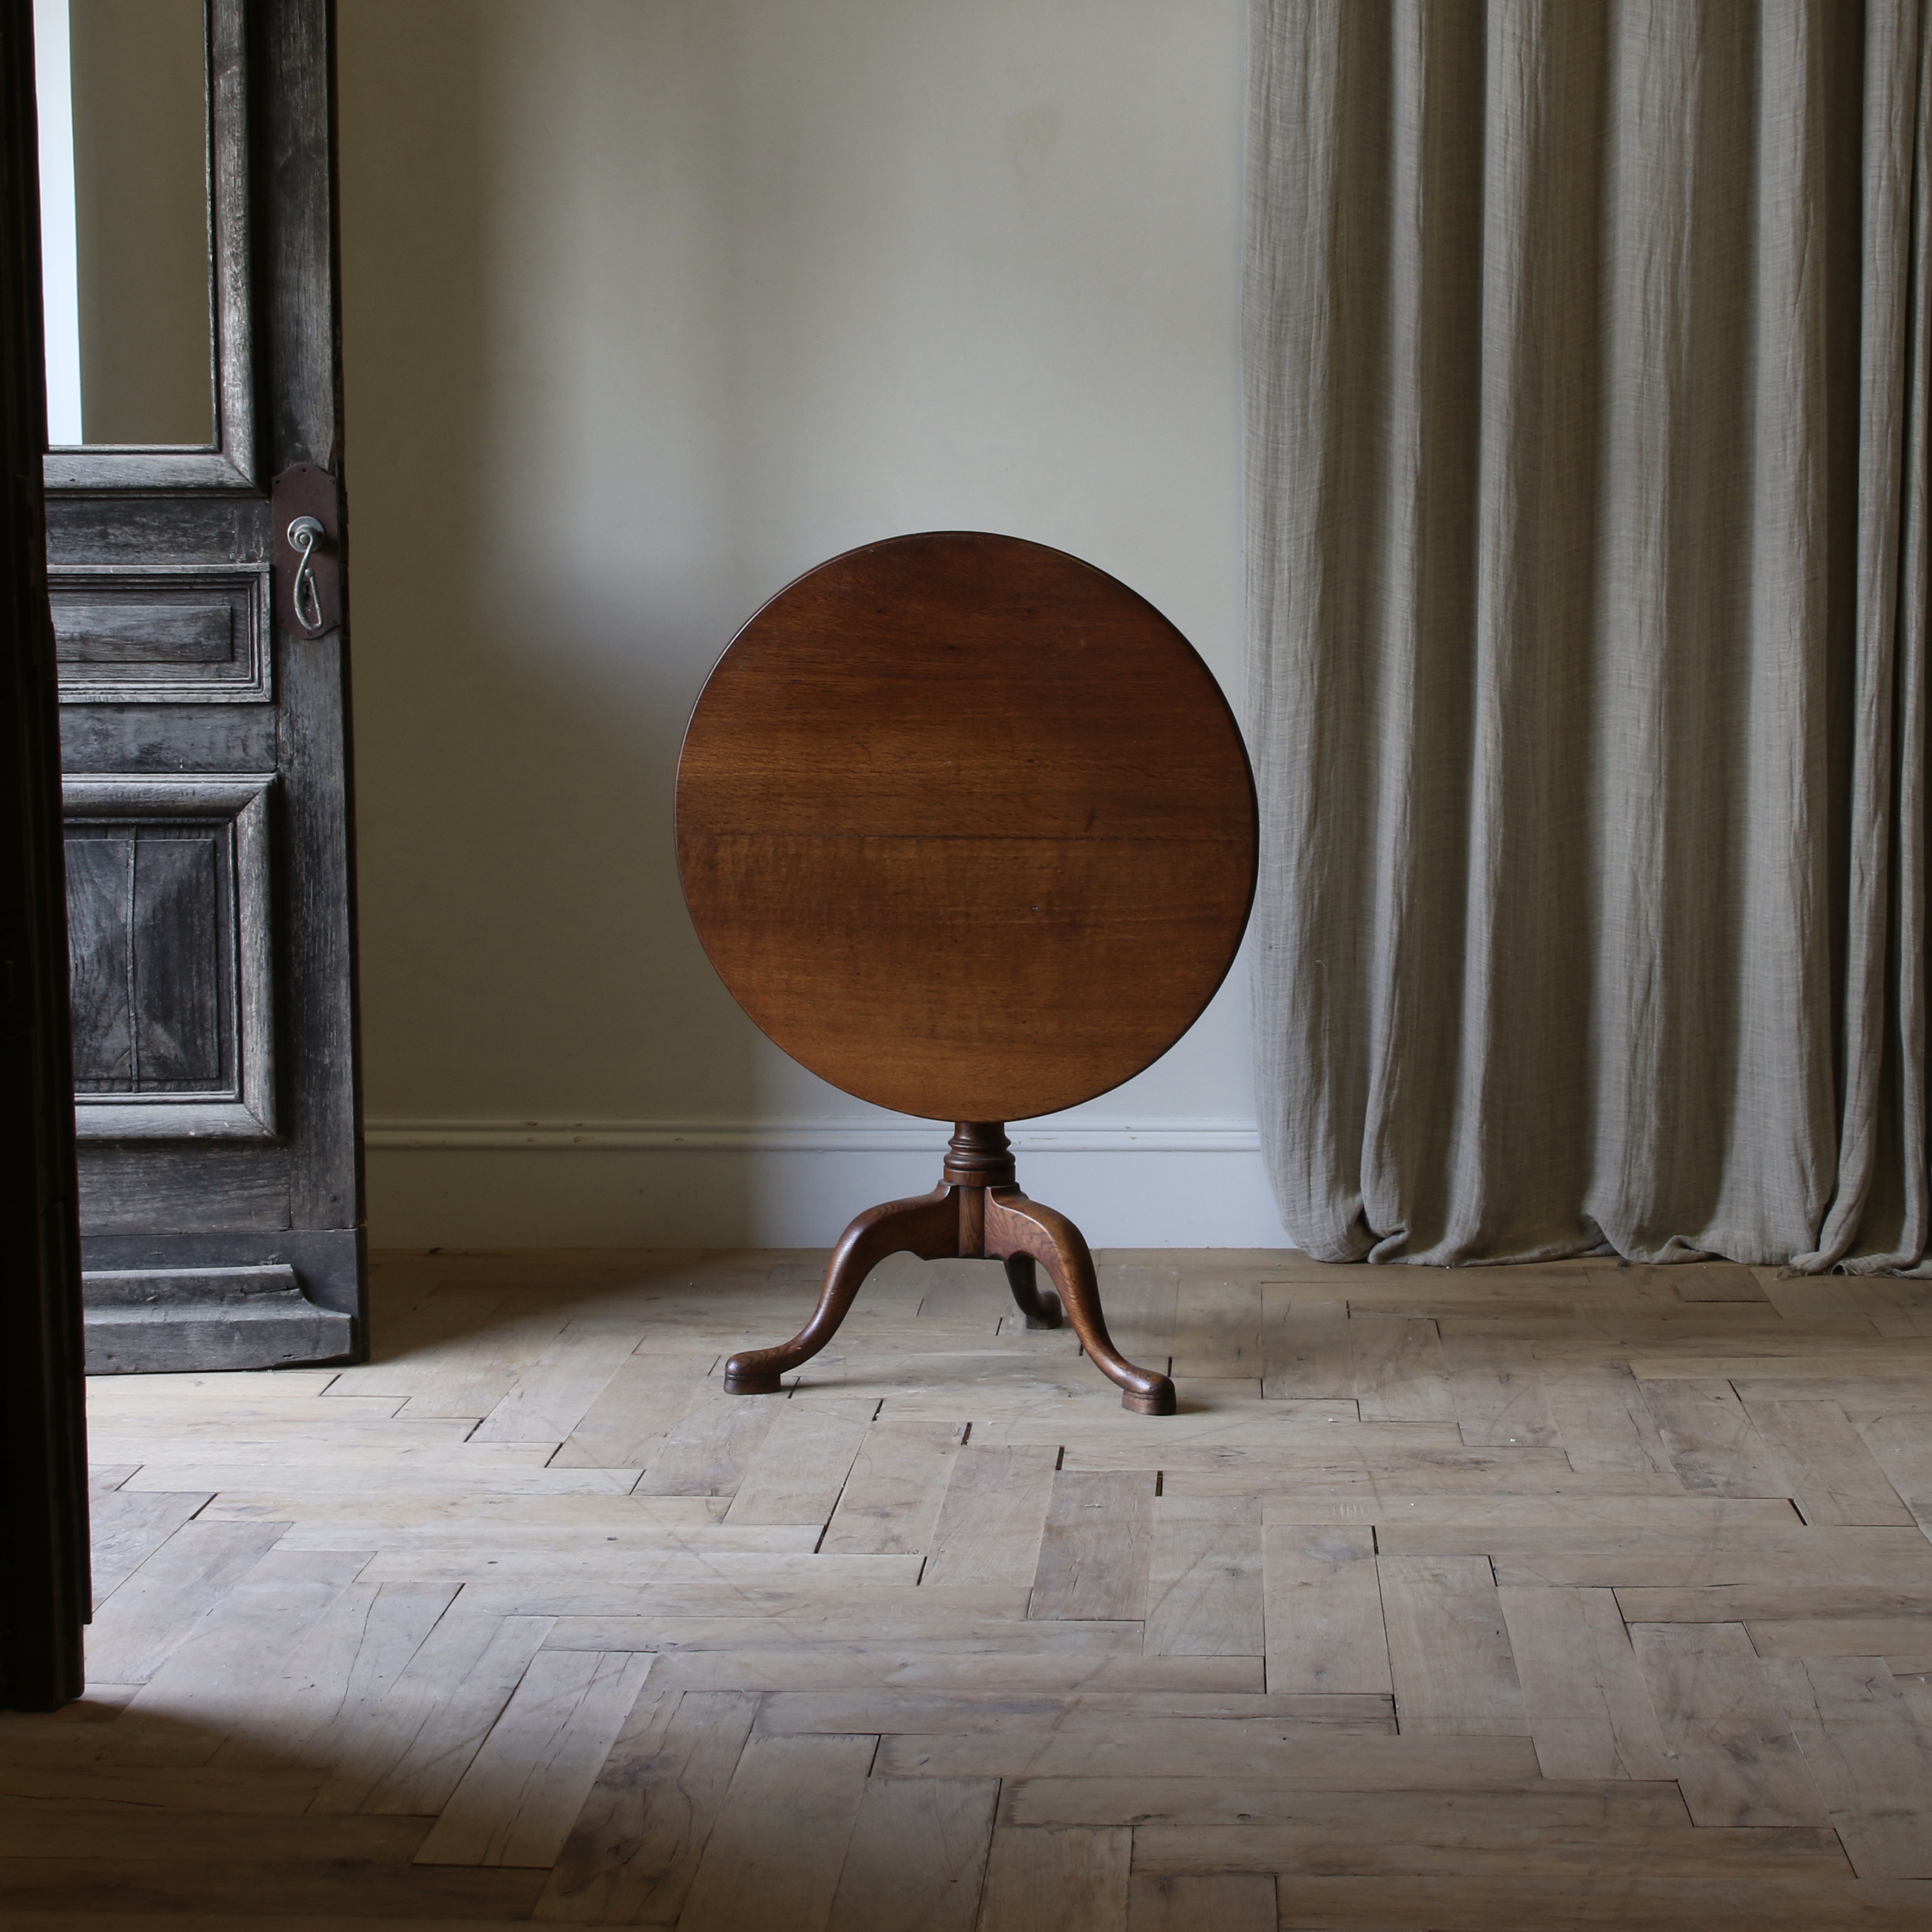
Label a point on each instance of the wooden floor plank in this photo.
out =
(1462, 1524)
(1574, 1810)
(516, 1802)
(1052, 1880)
(553, 1395)
(1601, 1418)
(129, 1525)
(775, 1853)
(289, 1681)
(882, 1709)
(1140, 1298)
(1688, 1338)
(1323, 1611)
(992, 1518)
(945, 1291)
(198, 1894)
(1843, 1637)
(1227, 1901)
(1217, 1328)
(250, 1658)
(707, 1453)
(797, 1471)
(1772, 1604)
(656, 1559)
(1792, 1356)
(1893, 1307)
(1449, 1652)
(516, 1470)
(1205, 1589)
(32, 1828)
(1398, 1370)
(1712, 1441)
(1715, 1281)
(1849, 1558)
(681, 1617)
(419, 1741)
(898, 1600)
(1615, 1903)
(1899, 1438)
(1305, 1347)
(1278, 1444)
(1497, 1391)
(150, 1614)
(483, 1544)
(1870, 1757)
(1589, 1711)
(586, 1516)
(1737, 1760)
(917, 1855)
(625, 1427)
(480, 1360)
(1318, 1758)
(348, 1660)
(1362, 1475)
(1834, 1477)
(1095, 1548)
(1461, 1851)
(889, 1506)
(986, 1666)
(633, 1851)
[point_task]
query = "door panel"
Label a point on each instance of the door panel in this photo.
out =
(206, 768)
(150, 911)
(190, 635)
(170, 932)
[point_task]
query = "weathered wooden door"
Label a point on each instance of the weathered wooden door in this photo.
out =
(194, 418)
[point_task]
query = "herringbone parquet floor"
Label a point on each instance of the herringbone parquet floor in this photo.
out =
(1572, 1596)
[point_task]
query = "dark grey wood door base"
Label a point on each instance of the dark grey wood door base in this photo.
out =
(149, 1320)
(156, 1304)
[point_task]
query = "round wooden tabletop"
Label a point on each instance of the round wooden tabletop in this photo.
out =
(966, 827)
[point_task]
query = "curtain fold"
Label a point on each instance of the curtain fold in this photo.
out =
(1587, 348)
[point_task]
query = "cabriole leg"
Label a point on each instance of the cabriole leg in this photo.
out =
(1015, 1225)
(927, 1225)
(1041, 1310)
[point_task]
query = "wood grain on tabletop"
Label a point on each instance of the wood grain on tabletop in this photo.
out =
(966, 827)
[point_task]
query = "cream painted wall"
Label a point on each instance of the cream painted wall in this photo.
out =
(650, 305)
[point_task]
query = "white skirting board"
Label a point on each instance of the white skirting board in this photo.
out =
(1193, 1183)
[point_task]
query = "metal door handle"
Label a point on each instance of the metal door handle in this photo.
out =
(304, 533)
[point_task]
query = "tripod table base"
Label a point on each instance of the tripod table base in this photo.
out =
(977, 1210)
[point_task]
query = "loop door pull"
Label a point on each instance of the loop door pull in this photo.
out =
(304, 533)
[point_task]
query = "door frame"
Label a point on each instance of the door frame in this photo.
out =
(44, 1587)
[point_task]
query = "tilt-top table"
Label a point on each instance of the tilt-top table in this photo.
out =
(966, 827)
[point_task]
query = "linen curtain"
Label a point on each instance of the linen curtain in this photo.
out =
(1586, 346)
